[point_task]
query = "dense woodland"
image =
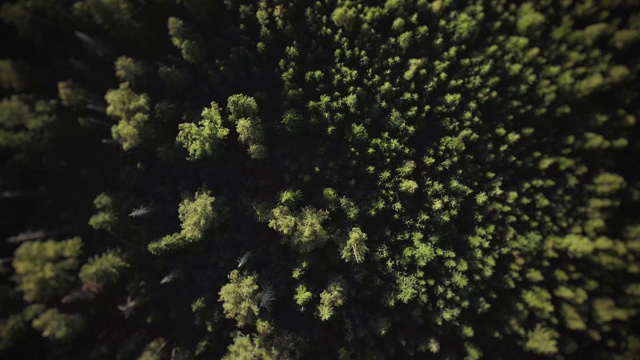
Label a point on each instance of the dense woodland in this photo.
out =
(290, 179)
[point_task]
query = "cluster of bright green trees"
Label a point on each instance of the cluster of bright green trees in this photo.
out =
(281, 179)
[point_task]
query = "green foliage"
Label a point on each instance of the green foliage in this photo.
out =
(292, 120)
(572, 318)
(619, 73)
(539, 300)
(12, 330)
(22, 126)
(198, 214)
(103, 220)
(408, 186)
(21, 15)
(290, 197)
(407, 288)
(302, 295)
(528, 18)
(590, 84)
(465, 26)
(574, 245)
(189, 43)
(241, 106)
(44, 268)
(240, 299)
(106, 218)
(71, 94)
(303, 229)
(117, 16)
(331, 299)
(414, 67)
(625, 38)
(247, 347)
(10, 76)
(104, 268)
(542, 341)
(605, 311)
(129, 70)
(132, 112)
(153, 350)
(168, 243)
(203, 139)
(258, 151)
(345, 17)
(355, 248)
(481, 198)
(608, 183)
(243, 110)
(405, 179)
(58, 326)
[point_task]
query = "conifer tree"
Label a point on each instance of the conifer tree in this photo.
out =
(45, 268)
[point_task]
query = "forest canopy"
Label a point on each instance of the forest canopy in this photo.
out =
(341, 179)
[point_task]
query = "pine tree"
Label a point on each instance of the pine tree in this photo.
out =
(240, 298)
(44, 268)
(107, 218)
(198, 215)
(104, 268)
(58, 326)
(355, 248)
(204, 139)
(132, 112)
(542, 341)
